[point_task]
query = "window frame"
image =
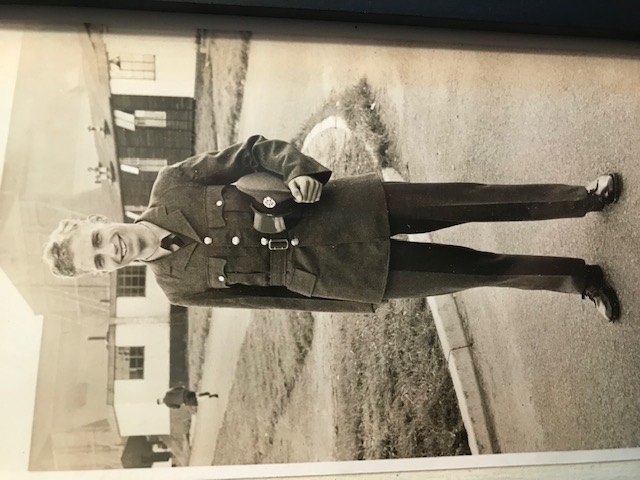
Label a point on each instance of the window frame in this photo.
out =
(131, 281)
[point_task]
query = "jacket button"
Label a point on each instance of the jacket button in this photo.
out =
(235, 240)
(264, 241)
(208, 240)
(219, 203)
(295, 241)
(221, 278)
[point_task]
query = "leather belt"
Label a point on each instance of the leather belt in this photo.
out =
(278, 245)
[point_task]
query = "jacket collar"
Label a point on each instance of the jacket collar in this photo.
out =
(175, 263)
(175, 222)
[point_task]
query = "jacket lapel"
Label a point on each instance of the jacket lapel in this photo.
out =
(179, 224)
(174, 222)
(175, 263)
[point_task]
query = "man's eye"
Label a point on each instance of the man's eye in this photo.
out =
(96, 239)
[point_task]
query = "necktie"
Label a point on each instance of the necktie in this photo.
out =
(172, 242)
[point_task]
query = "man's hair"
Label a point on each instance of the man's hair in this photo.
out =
(57, 252)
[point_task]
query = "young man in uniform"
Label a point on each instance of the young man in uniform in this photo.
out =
(208, 245)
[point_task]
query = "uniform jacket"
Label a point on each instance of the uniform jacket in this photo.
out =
(339, 248)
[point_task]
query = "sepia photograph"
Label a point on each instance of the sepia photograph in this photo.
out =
(236, 244)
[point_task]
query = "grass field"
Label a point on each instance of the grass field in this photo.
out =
(196, 338)
(393, 388)
(391, 394)
(221, 69)
(271, 359)
(370, 146)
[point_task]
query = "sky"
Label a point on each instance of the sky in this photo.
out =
(10, 42)
(18, 321)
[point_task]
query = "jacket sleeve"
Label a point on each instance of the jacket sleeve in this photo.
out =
(267, 298)
(256, 154)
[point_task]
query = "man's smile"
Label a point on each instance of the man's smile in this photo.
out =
(123, 248)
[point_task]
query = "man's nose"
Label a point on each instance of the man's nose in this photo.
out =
(108, 248)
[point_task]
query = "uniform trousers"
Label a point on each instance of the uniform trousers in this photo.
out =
(427, 269)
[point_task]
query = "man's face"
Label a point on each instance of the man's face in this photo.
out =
(105, 246)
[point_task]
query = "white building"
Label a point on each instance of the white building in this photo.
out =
(151, 82)
(139, 353)
(161, 64)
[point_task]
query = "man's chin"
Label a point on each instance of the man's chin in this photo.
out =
(129, 258)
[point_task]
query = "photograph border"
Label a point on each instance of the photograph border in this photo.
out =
(595, 24)
(597, 18)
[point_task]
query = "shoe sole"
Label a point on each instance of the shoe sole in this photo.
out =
(615, 302)
(617, 187)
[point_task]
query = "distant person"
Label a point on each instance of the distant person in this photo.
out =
(212, 243)
(179, 396)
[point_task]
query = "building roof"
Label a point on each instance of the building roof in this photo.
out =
(96, 72)
(16, 415)
(47, 141)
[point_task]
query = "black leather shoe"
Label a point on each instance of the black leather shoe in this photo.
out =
(602, 294)
(606, 188)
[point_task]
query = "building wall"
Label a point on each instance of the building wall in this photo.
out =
(135, 400)
(87, 449)
(179, 368)
(175, 54)
(72, 374)
(169, 144)
(143, 419)
(45, 179)
(153, 304)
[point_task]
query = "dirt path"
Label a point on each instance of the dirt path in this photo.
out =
(227, 332)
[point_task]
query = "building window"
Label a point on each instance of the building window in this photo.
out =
(129, 363)
(140, 118)
(131, 215)
(150, 118)
(132, 281)
(135, 165)
(133, 66)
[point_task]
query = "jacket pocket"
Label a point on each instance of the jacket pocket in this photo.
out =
(216, 272)
(214, 206)
(302, 282)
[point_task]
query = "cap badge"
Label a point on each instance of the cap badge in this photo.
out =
(269, 202)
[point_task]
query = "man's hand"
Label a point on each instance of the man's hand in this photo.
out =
(305, 189)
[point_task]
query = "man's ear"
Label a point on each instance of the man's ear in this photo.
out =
(98, 218)
(66, 224)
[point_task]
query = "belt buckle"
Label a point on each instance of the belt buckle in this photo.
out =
(278, 244)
